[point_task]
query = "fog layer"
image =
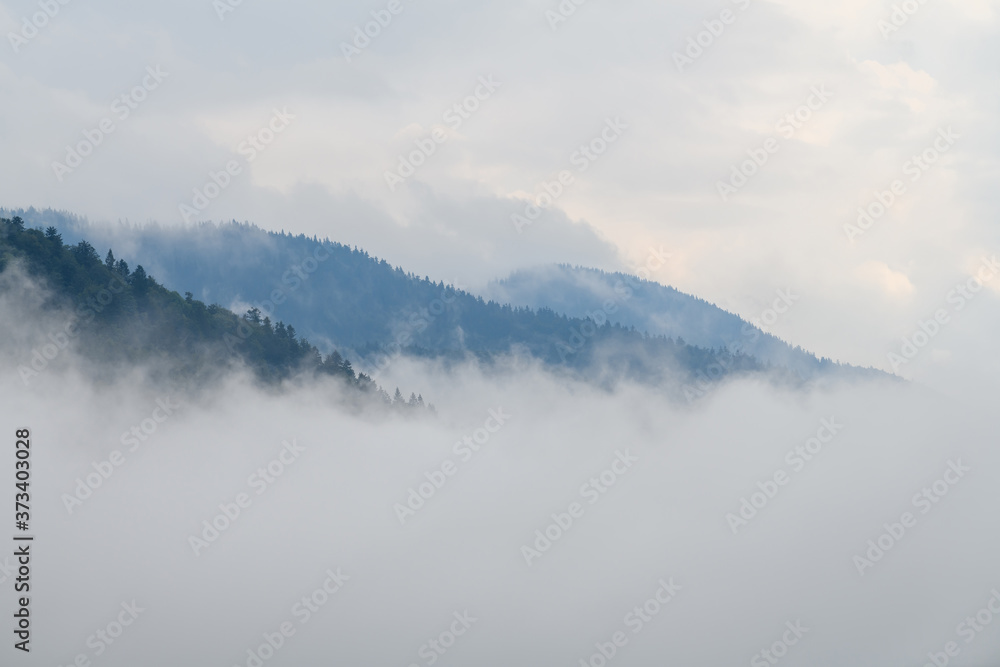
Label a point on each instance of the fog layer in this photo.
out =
(425, 529)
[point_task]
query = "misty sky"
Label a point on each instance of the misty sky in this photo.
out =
(680, 126)
(601, 136)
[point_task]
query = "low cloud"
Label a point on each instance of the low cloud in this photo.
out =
(620, 493)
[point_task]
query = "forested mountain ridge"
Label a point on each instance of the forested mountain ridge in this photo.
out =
(123, 316)
(343, 298)
(654, 308)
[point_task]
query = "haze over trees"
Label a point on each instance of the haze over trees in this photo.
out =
(119, 315)
(295, 289)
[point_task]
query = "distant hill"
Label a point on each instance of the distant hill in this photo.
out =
(117, 315)
(344, 299)
(647, 306)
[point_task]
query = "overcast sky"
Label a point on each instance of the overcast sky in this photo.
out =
(881, 93)
(912, 102)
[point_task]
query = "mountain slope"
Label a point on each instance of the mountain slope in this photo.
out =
(344, 299)
(116, 316)
(647, 306)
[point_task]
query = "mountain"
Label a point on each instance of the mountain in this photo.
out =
(648, 306)
(117, 316)
(345, 300)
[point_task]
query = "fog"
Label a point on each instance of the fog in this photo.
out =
(462, 561)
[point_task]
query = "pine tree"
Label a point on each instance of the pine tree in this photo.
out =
(109, 261)
(139, 280)
(85, 253)
(332, 363)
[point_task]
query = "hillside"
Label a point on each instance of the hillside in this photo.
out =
(343, 299)
(123, 316)
(651, 307)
